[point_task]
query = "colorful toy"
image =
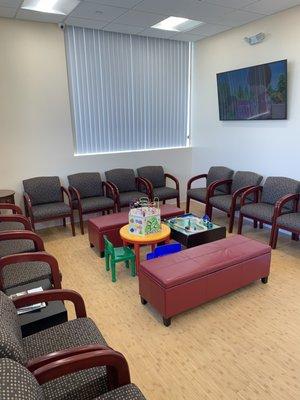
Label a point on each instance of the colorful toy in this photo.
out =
(164, 250)
(144, 217)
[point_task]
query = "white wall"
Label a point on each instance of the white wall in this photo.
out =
(268, 147)
(35, 123)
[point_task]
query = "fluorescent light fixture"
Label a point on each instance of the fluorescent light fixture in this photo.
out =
(62, 7)
(177, 24)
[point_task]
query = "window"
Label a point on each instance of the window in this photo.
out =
(127, 92)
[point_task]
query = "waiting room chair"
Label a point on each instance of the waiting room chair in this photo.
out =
(229, 203)
(127, 187)
(156, 179)
(200, 194)
(114, 255)
(22, 269)
(44, 200)
(53, 344)
(89, 194)
(18, 383)
(268, 200)
(22, 241)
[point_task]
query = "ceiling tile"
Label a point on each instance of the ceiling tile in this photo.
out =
(117, 3)
(209, 29)
(200, 10)
(188, 37)
(7, 12)
(40, 17)
(166, 7)
(272, 6)
(232, 3)
(138, 18)
(97, 11)
(157, 33)
(10, 3)
(114, 27)
(85, 23)
(235, 18)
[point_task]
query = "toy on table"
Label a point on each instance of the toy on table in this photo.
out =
(190, 223)
(114, 255)
(164, 250)
(144, 217)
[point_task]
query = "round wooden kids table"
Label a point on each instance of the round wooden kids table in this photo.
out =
(151, 240)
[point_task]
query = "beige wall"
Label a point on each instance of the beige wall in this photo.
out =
(35, 123)
(268, 147)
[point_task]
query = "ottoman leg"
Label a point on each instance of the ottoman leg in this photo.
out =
(101, 254)
(167, 321)
(143, 301)
(265, 279)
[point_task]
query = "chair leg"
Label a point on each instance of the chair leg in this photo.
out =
(64, 222)
(164, 201)
(272, 235)
(178, 202)
(81, 223)
(240, 225)
(208, 210)
(188, 203)
(132, 267)
(32, 224)
(261, 225)
(72, 223)
(295, 236)
(127, 263)
(107, 262)
(231, 222)
(274, 238)
(113, 271)
(255, 223)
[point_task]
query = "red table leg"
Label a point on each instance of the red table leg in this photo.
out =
(137, 257)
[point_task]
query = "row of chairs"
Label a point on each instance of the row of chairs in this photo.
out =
(274, 203)
(71, 360)
(87, 193)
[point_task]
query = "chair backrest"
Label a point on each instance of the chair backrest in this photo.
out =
(43, 189)
(276, 187)
(123, 178)
(88, 184)
(11, 345)
(242, 179)
(17, 382)
(155, 174)
(109, 247)
(164, 250)
(219, 173)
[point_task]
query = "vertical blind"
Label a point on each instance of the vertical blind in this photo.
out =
(127, 92)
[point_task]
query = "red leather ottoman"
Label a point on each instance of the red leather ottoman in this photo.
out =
(110, 225)
(178, 282)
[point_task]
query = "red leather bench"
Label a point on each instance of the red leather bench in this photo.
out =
(181, 281)
(111, 224)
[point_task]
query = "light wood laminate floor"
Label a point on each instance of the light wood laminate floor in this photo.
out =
(243, 346)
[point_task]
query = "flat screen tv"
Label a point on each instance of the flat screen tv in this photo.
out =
(253, 93)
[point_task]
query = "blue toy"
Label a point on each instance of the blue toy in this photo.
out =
(164, 250)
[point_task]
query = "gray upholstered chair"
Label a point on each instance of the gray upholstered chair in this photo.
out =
(200, 194)
(229, 203)
(89, 194)
(127, 188)
(18, 383)
(268, 199)
(50, 345)
(19, 241)
(156, 178)
(25, 268)
(44, 200)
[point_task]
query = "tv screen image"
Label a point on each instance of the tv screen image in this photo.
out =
(254, 93)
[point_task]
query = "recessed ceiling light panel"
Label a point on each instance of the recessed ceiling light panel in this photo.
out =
(177, 24)
(63, 7)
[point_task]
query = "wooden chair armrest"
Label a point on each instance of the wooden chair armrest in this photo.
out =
(8, 206)
(213, 186)
(173, 178)
(140, 181)
(285, 199)
(28, 205)
(109, 190)
(67, 193)
(17, 218)
(31, 257)
(256, 190)
(195, 178)
(239, 192)
(27, 235)
(117, 367)
(53, 295)
(38, 362)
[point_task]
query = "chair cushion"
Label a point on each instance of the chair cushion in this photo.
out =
(276, 187)
(290, 221)
(89, 184)
(165, 193)
(155, 174)
(80, 385)
(219, 173)
(127, 392)
(245, 178)
(11, 226)
(43, 189)
(199, 194)
(11, 344)
(96, 203)
(17, 383)
(262, 211)
(127, 197)
(26, 272)
(17, 246)
(223, 202)
(49, 210)
(124, 179)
